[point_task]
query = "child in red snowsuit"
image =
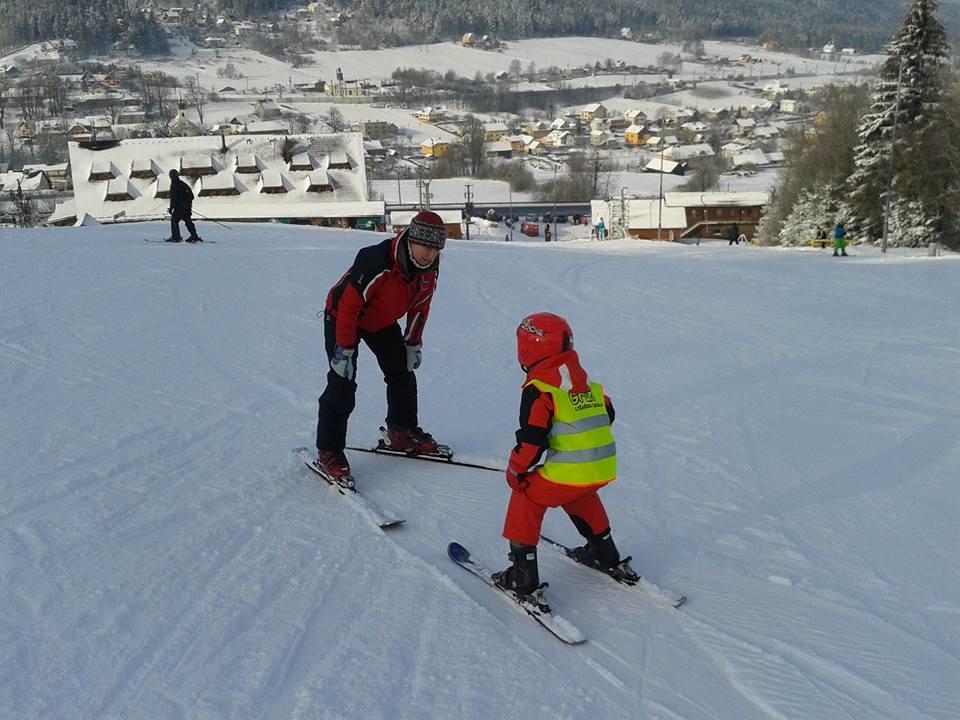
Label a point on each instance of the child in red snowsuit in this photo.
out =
(568, 417)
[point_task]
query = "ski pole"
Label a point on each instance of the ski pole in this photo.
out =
(212, 220)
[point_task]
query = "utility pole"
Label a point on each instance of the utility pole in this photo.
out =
(554, 200)
(468, 207)
(660, 194)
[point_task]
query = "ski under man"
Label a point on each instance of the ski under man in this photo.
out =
(387, 281)
(567, 416)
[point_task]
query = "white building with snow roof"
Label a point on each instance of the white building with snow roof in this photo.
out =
(315, 179)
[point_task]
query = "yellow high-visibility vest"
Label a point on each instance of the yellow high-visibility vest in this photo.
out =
(581, 447)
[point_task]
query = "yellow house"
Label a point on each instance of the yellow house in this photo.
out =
(468, 39)
(434, 147)
(494, 131)
(593, 111)
(635, 135)
(429, 114)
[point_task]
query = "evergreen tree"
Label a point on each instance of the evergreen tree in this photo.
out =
(907, 94)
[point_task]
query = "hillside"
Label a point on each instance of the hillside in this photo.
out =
(787, 428)
(811, 23)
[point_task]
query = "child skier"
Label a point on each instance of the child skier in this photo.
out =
(394, 278)
(567, 416)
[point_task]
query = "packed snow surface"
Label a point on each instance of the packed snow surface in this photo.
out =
(787, 426)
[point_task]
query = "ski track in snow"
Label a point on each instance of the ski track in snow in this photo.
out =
(164, 554)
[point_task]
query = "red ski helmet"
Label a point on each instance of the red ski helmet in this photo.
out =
(540, 336)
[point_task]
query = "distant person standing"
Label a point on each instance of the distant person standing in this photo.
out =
(733, 235)
(546, 233)
(839, 241)
(601, 230)
(181, 208)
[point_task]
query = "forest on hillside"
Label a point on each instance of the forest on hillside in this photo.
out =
(865, 24)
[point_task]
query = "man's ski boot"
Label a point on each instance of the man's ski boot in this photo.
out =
(173, 239)
(412, 441)
(334, 466)
(523, 577)
(194, 239)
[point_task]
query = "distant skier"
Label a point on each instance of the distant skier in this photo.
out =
(840, 241)
(181, 208)
(565, 415)
(601, 230)
(733, 235)
(388, 280)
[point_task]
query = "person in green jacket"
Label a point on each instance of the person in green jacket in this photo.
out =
(839, 241)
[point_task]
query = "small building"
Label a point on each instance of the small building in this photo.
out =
(502, 148)
(435, 147)
(593, 110)
(429, 114)
(214, 41)
(376, 129)
(635, 135)
(267, 109)
(494, 131)
(667, 167)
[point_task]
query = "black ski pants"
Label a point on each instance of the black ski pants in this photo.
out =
(339, 397)
(176, 216)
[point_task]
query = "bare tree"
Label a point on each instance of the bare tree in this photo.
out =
(473, 144)
(4, 99)
(335, 120)
(195, 93)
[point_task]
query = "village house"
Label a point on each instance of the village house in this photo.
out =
(635, 135)
(498, 148)
(537, 129)
(667, 167)
(686, 152)
(520, 142)
(593, 110)
(559, 138)
(493, 131)
(429, 114)
(58, 174)
(377, 129)
(267, 109)
(435, 147)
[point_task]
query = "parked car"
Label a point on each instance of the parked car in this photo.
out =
(577, 218)
(562, 219)
(530, 229)
(548, 217)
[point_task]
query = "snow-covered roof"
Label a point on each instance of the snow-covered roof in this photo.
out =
(661, 165)
(685, 152)
(713, 199)
(224, 192)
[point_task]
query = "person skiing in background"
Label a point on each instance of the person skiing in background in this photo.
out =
(388, 280)
(181, 208)
(733, 235)
(840, 240)
(567, 416)
(601, 230)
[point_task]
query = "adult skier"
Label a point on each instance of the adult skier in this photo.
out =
(567, 416)
(387, 281)
(181, 208)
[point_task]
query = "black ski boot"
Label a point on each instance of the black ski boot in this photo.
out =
(522, 577)
(601, 552)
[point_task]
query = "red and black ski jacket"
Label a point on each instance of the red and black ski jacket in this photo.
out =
(380, 287)
(537, 410)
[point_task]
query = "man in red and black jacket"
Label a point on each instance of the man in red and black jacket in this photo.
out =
(387, 281)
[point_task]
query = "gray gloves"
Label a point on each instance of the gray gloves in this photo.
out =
(414, 357)
(343, 363)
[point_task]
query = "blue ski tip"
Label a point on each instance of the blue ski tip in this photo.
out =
(457, 552)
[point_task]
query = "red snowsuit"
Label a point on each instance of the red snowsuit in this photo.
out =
(529, 503)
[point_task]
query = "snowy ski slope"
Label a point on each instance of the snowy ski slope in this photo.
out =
(788, 429)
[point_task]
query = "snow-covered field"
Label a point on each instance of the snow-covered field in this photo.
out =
(788, 431)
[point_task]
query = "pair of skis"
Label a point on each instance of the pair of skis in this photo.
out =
(535, 605)
(346, 486)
